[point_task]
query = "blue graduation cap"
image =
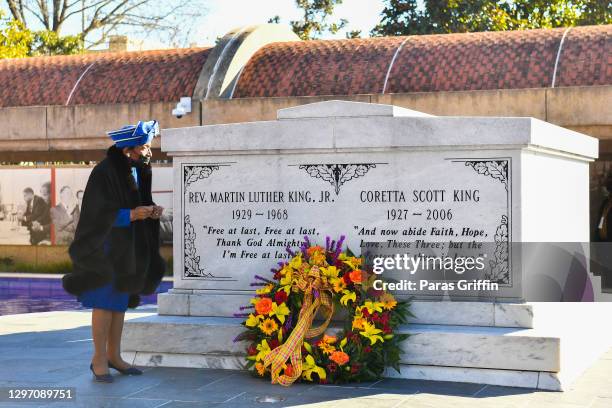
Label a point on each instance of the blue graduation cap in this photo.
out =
(135, 135)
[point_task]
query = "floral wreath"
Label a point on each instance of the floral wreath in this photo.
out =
(282, 342)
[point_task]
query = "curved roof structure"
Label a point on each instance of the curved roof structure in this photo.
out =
(101, 78)
(430, 63)
(580, 56)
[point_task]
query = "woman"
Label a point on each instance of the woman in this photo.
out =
(115, 252)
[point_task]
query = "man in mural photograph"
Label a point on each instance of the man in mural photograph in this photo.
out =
(115, 252)
(2, 209)
(36, 216)
(64, 217)
(77, 208)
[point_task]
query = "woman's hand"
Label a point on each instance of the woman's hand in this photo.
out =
(141, 213)
(157, 212)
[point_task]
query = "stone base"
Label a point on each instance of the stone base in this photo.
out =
(567, 339)
(515, 378)
(194, 302)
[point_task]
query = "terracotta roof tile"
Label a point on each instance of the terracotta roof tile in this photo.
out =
(123, 77)
(586, 57)
(430, 63)
(320, 67)
(465, 62)
(452, 62)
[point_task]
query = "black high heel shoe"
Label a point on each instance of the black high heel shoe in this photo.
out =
(105, 378)
(126, 371)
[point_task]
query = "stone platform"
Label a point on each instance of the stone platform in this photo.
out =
(53, 349)
(520, 345)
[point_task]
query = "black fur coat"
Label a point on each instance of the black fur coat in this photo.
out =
(134, 258)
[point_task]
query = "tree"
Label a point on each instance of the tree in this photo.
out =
(404, 17)
(353, 34)
(16, 41)
(401, 17)
(50, 43)
(314, 22)
(104, 17)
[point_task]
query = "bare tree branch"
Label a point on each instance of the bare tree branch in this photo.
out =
(16, 9)
(44, 12)
(83, 9)
(40, 17)
(168, 18)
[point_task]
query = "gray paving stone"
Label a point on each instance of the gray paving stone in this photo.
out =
(430, 387)
(123, 386)
(107, 402)
(183, 404)
(61, 358)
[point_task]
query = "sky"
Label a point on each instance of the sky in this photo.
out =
(361, 15)
(221, 16)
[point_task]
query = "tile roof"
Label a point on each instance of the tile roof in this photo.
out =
(429, 63)
(318, 67)
(101, 78)
(586, 57)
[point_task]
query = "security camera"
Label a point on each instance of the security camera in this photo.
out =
(179, 112)
(182, 108)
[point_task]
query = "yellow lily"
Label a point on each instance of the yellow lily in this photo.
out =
(330, 272)
(296, 262)
(371, 332)
(309, 366)
(286, 269)
(280, 311)
(348, 295)
(264, 350)
(265, 290)
(373, 306)
(287, 278)
(358, 311)
(253, 320)
(351, 261)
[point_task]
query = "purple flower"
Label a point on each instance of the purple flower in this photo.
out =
(339, 247)
(261, 278)
(246, 307)
(341, 241)
(288, 322)
(241, 314)
(306, 241)
(288, 249)
(327, 243)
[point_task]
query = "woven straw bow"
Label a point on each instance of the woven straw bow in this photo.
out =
(316, 295)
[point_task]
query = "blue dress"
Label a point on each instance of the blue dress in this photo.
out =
(107, 297)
